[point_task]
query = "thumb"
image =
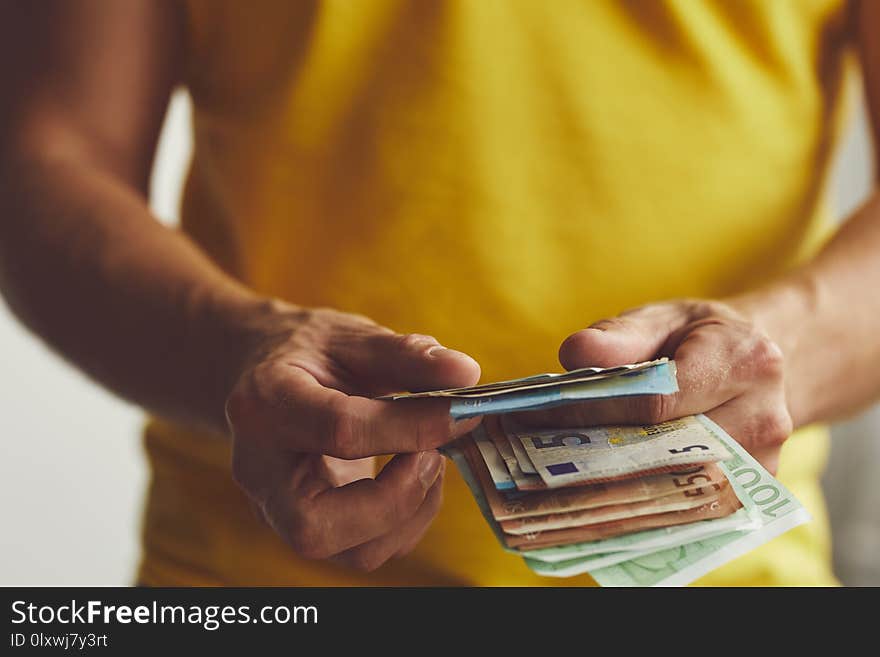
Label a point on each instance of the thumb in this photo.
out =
(635, 336)
(389, 362)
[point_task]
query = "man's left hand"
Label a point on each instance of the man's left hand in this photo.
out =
(727, 368)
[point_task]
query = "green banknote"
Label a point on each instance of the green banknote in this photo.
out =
(647, 541)
(771, 504)
(580, 565)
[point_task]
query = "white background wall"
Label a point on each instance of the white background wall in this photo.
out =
(72, 474)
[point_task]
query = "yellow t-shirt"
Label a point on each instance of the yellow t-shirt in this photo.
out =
(497, 173)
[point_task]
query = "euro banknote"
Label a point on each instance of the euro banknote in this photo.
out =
(622, 498)
(533, 382)
(719, 508)
(653, 550)
(678, 501)
(659, 379)
(643, 542)
(565, 457)
(548, 390)
(544, 500)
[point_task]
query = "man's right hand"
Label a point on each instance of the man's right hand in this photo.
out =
(305, 430)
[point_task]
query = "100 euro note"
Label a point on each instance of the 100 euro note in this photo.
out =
(773, 507)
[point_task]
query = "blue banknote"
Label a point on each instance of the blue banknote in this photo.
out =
(657, 380)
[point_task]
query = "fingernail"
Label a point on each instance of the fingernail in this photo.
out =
(429, 468)
(443, 352)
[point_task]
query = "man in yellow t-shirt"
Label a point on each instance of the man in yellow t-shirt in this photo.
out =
(371, 180)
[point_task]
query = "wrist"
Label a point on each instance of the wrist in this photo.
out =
(786, 311)
(781, 310)
(233, 330)
(262, 324)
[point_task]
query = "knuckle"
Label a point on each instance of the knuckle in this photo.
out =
(239, 470)
(765, 357)
(414, 341)
(612, 323)
(428, 435)
(266, 386)
(658, 408)
(775, 427)
(322, 315)
(365, 561)
(306, 547)
(273, 378)
(404, 505)
(702, 308)
(421, 436)
(355, 319)
(305, 536)
(239, 406)
(405, 550)
(345, 432)
(402, 502)
(768, 428)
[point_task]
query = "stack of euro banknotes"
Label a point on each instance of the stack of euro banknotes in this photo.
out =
(657, 505)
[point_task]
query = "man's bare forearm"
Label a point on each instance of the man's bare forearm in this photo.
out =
(83, 90)
(826, 318)
(826, 315)
(131, 302)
